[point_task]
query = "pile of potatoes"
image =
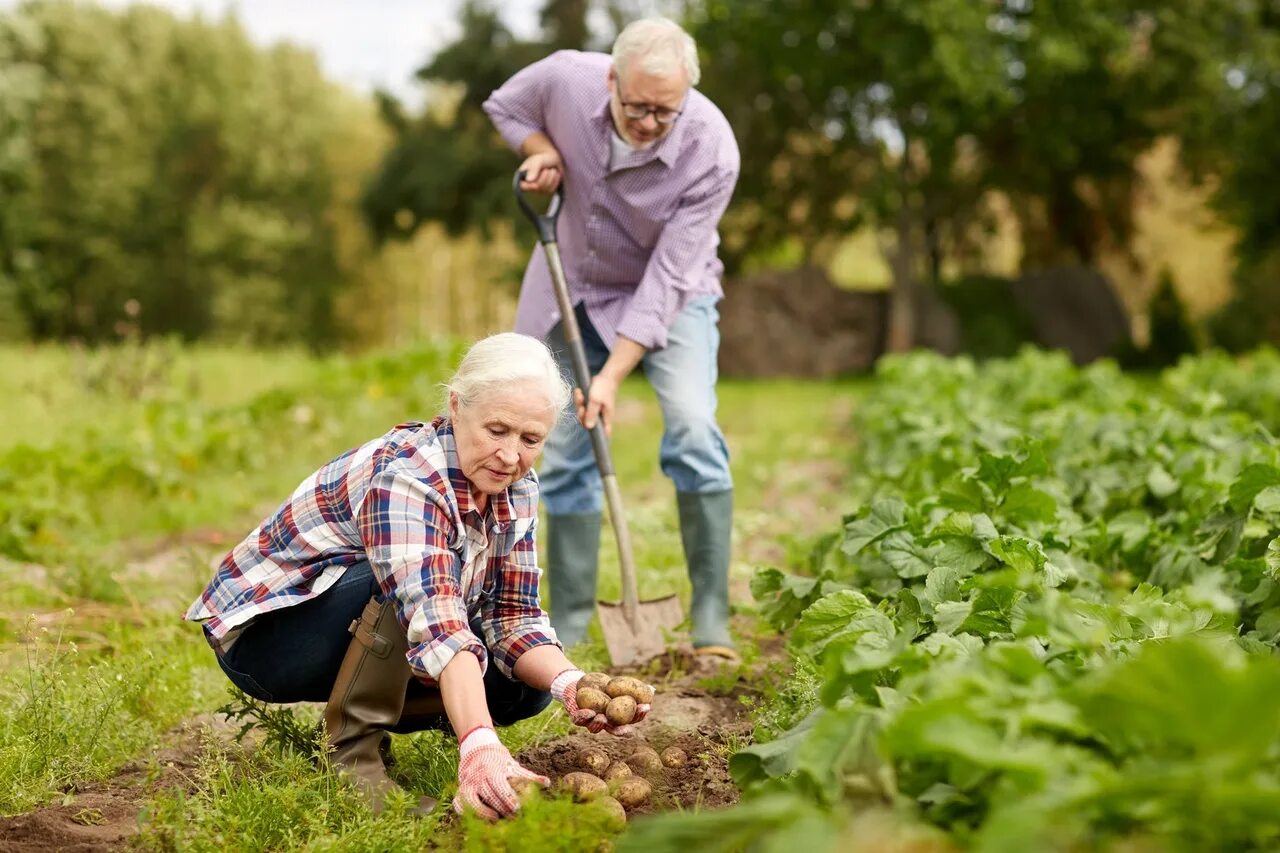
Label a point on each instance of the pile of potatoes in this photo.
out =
(618, 786)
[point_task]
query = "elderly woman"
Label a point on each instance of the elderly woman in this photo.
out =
(399, 585)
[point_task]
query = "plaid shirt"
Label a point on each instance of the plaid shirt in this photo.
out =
(402, 503)
(637, 237)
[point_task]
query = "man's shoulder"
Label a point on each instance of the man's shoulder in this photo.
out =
(577, 63)
(710, 130)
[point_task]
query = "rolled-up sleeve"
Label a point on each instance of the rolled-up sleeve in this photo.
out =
(688, 240)
(405, 526)
(513, 620)
(517, 108)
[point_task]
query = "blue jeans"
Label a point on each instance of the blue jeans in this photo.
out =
(693, 452)
(293, 654)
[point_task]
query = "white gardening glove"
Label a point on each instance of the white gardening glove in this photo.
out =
(564, 688)
(485, 771)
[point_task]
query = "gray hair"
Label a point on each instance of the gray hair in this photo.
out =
(660, 46)
(495, 363)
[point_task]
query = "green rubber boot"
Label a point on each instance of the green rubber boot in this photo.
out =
(573, 557)
(706, 525)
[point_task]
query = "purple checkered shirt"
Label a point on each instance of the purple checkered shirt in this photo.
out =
(402, 503)
(638, 241)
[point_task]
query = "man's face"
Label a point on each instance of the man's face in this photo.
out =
(500, 437)
(636, 92)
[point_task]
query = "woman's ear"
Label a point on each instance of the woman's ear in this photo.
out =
(453, 406)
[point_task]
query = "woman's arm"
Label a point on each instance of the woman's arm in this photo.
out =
(462, 688)
(538, 666)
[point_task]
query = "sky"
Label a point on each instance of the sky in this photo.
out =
(365, 44)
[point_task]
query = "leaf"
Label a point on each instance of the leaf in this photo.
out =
(908, 559)
(1025, 503)
(1024, 556)
(942, 584)
(1252, 480)
(774, 758)
(842, 614)
(783, 597)
(963, 493)
(950, 615)
(1273, 559)
(1268, 500)
(990, 613)
(883, 518)
(1187, 696)
(1161, 482)
(1219, 535)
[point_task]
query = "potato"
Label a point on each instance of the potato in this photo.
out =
(616, 771)
(633, 792)
(595, 680)
(583, 786)
(526, 789)
(620, 710)
(615, 813)
(591, 699)
(625, 685)
(593, 760)
(673, 756)
(645, 760)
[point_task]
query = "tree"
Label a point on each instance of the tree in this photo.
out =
(171, 163)
(903, 115)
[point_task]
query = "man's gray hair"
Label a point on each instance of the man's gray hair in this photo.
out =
(498, 363)
(657, 46)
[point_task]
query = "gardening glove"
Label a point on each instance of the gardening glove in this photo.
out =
(564, 687)
(485, 771)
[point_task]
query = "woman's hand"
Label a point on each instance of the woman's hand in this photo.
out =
(565, 689)
(485, 771)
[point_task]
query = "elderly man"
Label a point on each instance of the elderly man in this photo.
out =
(649, 165)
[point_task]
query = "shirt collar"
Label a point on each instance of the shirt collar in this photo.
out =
(499, 505)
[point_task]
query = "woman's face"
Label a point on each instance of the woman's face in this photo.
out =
(499, 436)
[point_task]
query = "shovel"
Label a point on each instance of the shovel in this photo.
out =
(634, 631)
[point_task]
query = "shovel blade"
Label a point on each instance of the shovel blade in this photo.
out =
(655, 621)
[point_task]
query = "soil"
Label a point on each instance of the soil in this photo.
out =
(105, 815)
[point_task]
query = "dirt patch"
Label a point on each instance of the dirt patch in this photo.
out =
(104, 815)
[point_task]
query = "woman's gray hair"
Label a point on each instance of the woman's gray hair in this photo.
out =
(659, 46)
(495, 364)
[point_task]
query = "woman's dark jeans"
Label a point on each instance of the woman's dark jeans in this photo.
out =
(293, 654)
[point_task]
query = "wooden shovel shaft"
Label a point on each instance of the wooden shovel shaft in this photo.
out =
(599, 441)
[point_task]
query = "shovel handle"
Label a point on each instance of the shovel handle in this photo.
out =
(545, 223)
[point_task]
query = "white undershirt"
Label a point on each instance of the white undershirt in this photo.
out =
(619, 150)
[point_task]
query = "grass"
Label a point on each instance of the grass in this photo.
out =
(148, 486)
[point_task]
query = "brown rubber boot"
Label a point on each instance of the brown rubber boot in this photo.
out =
(366, 701)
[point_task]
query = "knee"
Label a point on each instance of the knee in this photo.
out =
(530, 703)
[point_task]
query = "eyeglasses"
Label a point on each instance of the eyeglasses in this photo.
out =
(636, 112)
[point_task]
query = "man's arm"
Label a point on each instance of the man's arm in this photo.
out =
(518, 110)
(684, 242)
(542, 165)
(603, 394)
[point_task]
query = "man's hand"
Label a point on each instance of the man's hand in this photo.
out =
(601, 398)
(485, 771)
(565, 689)
(542, 172)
